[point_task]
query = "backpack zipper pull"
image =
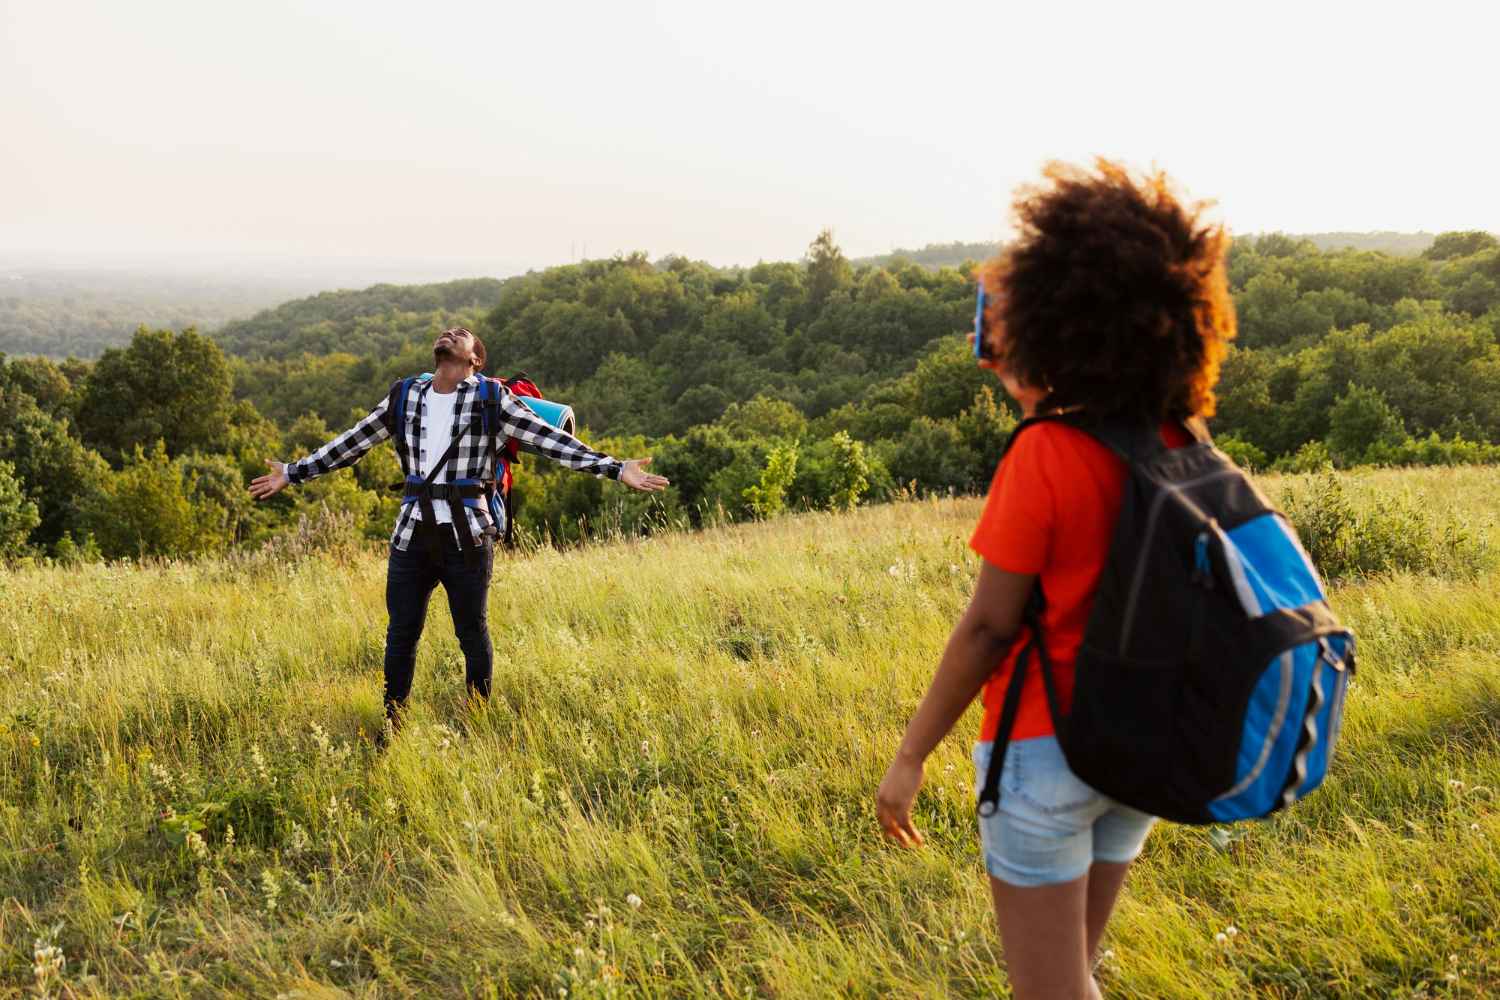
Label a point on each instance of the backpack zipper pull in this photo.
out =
(1203, 571)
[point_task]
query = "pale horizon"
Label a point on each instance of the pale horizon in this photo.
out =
(518, 137)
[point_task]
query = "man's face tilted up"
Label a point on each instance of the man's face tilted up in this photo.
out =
(457, 346)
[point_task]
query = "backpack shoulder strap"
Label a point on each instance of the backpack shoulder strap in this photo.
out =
(489, 403)
(489, 408)
(395, 416)
(1133, 443)
(1028, 422)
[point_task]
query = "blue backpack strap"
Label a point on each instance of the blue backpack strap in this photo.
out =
(489, 394)
(396, 411)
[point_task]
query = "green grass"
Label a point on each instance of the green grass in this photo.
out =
(696, 720)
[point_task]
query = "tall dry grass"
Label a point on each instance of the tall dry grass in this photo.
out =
(670, 792)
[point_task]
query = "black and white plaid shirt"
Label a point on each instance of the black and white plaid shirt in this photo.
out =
(471, 460)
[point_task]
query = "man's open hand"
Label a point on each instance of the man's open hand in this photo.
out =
(274, 483)
(634, 476)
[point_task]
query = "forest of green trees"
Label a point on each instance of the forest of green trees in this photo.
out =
(784, 385)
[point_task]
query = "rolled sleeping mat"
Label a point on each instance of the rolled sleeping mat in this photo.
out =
(559, 415)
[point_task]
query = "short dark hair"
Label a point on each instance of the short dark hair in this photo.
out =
(478, 349)
(1114, 297)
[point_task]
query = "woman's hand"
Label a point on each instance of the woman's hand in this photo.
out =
(267, 485)
(638, 478)
(898, 790)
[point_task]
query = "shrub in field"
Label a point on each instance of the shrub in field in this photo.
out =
(151, 508)
(1309, 458)
(325, 533)
(1389, 531)
(848, 472)
(17, 514)
(1241, 452)
(768, 497)
(985, 429)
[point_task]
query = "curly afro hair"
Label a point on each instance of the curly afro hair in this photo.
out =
(1114, 297)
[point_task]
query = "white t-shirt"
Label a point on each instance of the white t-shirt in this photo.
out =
(437, 435)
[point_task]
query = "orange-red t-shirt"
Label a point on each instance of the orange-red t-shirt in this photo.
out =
(1051, 513)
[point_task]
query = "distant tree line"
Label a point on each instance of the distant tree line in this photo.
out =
(814, 384)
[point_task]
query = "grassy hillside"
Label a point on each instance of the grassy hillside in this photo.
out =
(670, 793)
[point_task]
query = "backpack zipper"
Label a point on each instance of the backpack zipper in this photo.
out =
(1203, 571)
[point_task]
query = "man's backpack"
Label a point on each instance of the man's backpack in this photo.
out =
(1210, 682)
(494, 492)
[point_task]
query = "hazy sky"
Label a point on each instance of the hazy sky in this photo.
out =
(522, 134)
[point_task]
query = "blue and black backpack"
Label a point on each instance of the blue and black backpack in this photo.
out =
(1210, 682)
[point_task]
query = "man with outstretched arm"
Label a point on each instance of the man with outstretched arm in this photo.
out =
(443, 534)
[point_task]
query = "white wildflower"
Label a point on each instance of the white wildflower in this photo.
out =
(296, 841)
(197, 844)
(270, 887)
(634, 901)
(48, 961)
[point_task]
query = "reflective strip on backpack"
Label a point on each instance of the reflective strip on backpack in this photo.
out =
(1283, 699)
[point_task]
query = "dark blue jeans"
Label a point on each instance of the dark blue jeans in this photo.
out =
(409, 581)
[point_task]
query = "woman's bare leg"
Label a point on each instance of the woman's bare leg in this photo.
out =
(1105, 881)
(1051, 933)
(1043, 933)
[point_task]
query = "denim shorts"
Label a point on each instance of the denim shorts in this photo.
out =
(1051, 826)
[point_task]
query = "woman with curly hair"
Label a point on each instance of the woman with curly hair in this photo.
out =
(1111, 303)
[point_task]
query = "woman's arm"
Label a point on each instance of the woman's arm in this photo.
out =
(983, 635)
